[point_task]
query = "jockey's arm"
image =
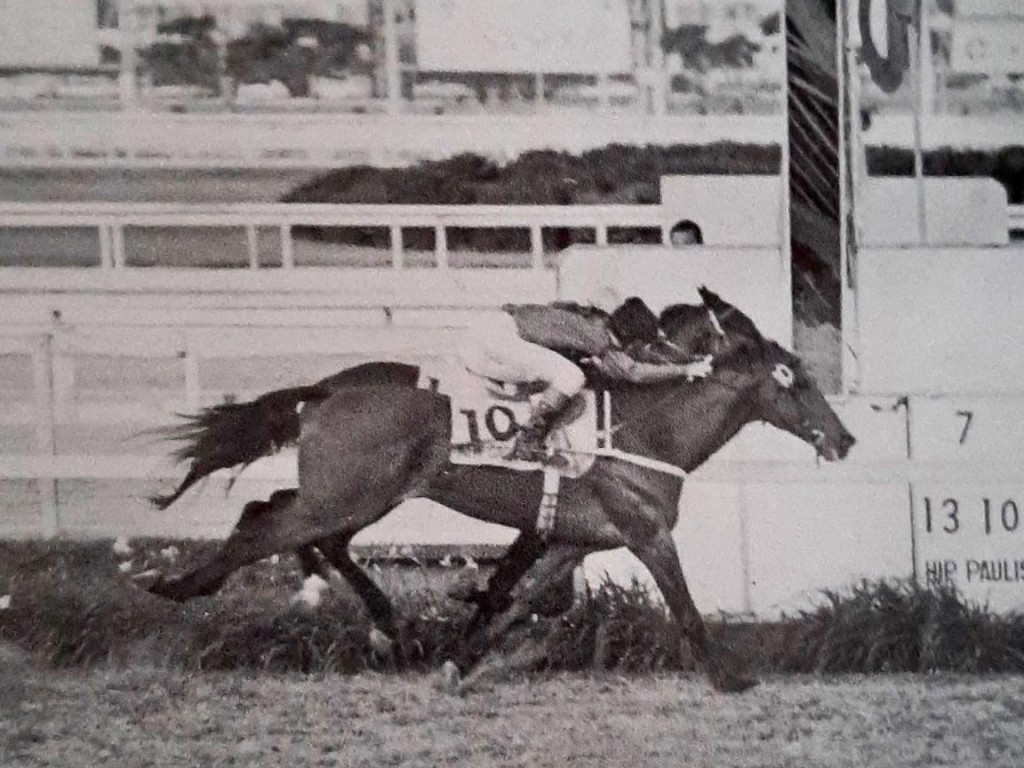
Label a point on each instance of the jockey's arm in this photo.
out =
(616, 364)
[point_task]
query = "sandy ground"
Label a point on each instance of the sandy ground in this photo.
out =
(155, 718)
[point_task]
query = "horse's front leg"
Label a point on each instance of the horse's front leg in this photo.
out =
(496, 598)
(557, 563)
(661, 558)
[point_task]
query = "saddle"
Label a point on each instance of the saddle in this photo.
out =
(486, 415)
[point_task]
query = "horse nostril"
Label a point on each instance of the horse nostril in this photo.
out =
(846, 442)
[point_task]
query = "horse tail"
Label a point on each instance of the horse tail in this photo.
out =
(229, 434)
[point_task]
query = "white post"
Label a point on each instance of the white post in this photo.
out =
(117, 245)
(785, 244)
(659, 88)
(287, 247)
(603, 93)
(392, 63)
(537, 246)
(45, 439)
(252, 243)
(397, 247)
(916, 57)
(441, 246)
(743, 502)
(127, 25)
(928, 74)
(853, 175)
(106, 246)
(601, 234)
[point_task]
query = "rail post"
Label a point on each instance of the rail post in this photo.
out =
(287, 247)
(252, 243)
(397, 247)
(45, 437)
(537, 246)
(106, 245)
(117, 245)
(441, 246)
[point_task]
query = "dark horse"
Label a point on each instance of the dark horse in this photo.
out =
(365, 448)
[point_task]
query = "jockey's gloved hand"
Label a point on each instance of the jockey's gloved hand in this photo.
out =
(700, 369)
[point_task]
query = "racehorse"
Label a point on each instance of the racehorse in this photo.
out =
(364, 449)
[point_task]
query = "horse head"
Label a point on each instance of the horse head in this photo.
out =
(776, 387)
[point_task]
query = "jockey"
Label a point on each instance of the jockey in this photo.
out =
(533, 342)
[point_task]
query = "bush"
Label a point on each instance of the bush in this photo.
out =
(72, 608)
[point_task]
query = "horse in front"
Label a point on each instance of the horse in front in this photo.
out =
(366, 447)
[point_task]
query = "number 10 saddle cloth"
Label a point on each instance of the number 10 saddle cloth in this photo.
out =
(486, 417)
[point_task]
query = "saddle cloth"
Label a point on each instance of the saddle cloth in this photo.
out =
(486, 416)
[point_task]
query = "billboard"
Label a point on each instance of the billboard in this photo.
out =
(570, 36)
(57, 33)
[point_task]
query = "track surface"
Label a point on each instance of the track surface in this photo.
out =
(154, 718)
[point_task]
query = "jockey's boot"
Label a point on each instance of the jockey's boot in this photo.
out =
(530, 440)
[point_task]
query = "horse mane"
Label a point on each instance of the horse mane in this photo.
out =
(747, 339)
(584, 310)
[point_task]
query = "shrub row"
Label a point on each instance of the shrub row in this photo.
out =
(617, 173)
(70, 606)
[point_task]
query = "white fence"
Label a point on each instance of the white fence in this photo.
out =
(110, 220)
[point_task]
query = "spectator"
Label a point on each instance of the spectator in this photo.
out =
(685, 233)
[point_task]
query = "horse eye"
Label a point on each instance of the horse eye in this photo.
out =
(784, 375)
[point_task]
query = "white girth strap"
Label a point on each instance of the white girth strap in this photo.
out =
(548, 502)
(642, 461)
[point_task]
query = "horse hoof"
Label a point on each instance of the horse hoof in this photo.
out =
(381, 644)
(451, 678)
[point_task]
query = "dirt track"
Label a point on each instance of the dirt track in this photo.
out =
(154, 718)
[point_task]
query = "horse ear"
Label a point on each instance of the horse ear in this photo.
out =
(711, 299)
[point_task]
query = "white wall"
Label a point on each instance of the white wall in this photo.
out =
(730, 210)
(958, 211)
(941, 320)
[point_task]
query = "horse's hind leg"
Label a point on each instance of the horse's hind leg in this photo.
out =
(661, 558)
(335, 550)
(248, 542)
(266, 527)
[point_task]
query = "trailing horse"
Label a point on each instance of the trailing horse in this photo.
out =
(364, 449)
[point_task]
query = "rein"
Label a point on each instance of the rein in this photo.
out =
(652, 410)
